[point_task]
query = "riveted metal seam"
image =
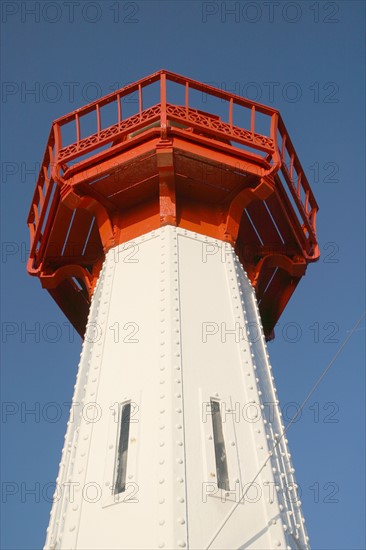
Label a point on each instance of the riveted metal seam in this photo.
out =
(179, 232)
(276, 454)
(56, 524)
(107, 286)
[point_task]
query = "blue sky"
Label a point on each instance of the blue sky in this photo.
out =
(305, 58)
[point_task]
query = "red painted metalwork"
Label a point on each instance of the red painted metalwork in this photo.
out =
(232, 174)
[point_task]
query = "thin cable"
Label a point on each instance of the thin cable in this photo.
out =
(331, 363)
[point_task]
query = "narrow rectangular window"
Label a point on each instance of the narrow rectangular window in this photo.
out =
(219, 443)
(122, 450)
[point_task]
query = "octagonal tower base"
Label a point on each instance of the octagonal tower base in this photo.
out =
(175, 420)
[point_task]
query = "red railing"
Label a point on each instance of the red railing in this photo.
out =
(272, 147)
(163, 110)
(301, 195)
(44, 201)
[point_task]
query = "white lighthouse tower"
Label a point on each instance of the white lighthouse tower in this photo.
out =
(181, 232)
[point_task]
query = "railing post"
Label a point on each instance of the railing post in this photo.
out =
(163, 113)
(58, 138)
(53, 154)
(273, 135)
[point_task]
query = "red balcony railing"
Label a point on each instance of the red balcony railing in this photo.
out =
(246, 127)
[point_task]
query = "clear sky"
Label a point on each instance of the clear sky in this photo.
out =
(305, 58)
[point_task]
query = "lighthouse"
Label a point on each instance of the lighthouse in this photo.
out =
(171, 222)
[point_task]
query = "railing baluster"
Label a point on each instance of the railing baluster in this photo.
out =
(252, 122)
(32, 230)
(140, 100)
(119, 108)
(40, 195)
(231, 113)
(283, 147)
(98, 118)
(312, 217)
(187, 98)
(77, 122)
(299, 176)
(45, 175)
(46, 184)
(36, 214)
(292, 166)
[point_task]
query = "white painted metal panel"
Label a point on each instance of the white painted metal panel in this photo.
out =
(173, 324)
